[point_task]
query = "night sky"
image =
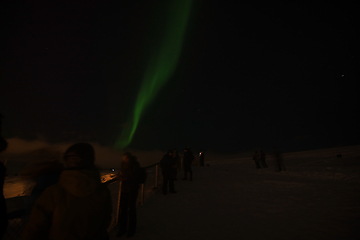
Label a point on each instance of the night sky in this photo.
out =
(249, 75)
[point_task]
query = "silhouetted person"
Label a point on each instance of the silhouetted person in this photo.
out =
(3, 212)
(188, 159)
(263, 159)
(129, 175)
(78, 206)
(201, 158)
(168, 164)
(177, 160)
(256, 158)
(279, 159)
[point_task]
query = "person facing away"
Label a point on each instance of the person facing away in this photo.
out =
(188, 159)
(168, 167)
(128, 175)
(279, 159)
(78, 206)
(3, 210)
(263, 159)
(177, 160)
(256, 158)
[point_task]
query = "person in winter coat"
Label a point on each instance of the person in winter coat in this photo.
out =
(263, 159)
(77, 207)
(256, 158)
(168, 165)
(188, 159)
(279, 159)
(177, 160)
(129, 177)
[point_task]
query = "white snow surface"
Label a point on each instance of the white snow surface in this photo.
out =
(318, 197)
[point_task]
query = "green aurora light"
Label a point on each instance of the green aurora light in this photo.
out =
(160, 67)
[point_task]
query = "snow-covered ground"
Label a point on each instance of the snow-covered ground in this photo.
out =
(317, 198)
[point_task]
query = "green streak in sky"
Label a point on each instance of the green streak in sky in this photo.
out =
(160, 67)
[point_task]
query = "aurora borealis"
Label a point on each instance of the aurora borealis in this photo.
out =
(161, 66)
(154, 75)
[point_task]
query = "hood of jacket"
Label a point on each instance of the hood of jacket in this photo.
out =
(80, 183)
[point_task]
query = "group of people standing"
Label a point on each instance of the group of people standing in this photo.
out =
(72, 203)
(261, 159)
(169, 167)
(78, 205)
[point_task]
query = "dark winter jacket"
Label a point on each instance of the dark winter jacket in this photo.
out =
(188, 158)
(130, 175)
(77, 207)
(168, 164)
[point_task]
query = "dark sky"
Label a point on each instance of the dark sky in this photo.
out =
(249, 76)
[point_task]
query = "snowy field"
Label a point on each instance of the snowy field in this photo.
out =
(318, 197)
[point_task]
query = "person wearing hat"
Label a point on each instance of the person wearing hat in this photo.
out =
(78, 206)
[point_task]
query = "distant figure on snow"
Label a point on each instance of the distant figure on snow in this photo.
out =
(188, 159)
(168, 165)
(279, 159)
(201, 158)
(129, 175)
(256, 158)
(78, 206)
(263, 159)
(177, 160)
